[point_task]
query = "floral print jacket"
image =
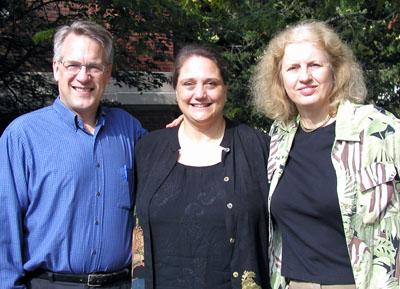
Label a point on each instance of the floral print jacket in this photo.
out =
(366, 158)
(245, 169)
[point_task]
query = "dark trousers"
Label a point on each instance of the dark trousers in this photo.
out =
(37, 283)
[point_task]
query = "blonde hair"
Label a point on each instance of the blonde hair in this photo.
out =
(269, 95)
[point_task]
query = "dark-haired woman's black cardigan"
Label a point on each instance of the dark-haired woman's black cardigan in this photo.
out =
(245, 167)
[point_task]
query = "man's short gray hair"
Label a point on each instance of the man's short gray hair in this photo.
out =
(89, 29)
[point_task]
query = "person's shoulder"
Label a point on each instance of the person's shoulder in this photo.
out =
(249, 141)
(119, 113)
(29, 119)
(161, 135)
(371, 113)
(156, 142)
(249, 135)
(370, 119)
(123, 118)
(245, 129)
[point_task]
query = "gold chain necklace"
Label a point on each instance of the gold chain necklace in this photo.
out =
(312, 129)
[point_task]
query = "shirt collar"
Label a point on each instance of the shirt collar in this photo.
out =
(288, 126)
(72, 119)
(347, 127)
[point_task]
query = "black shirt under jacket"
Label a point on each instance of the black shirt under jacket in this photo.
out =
(245, 174)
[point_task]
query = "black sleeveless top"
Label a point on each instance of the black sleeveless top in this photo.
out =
(189, 238)
(305, 207)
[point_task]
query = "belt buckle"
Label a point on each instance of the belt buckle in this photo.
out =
(92, 277)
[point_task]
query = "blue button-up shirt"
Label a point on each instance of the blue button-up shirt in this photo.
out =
(66, 195)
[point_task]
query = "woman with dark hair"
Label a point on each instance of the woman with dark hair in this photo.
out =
(201, 190)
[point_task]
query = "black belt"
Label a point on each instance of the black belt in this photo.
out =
(94, 279)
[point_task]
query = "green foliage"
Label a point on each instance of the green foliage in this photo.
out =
(239, 28)
(26, 29)
(242, 29)
(374, 36)
(43, 36)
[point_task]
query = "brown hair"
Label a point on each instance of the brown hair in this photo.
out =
(198, 50)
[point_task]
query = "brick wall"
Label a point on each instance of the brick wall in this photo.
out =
(152, 117)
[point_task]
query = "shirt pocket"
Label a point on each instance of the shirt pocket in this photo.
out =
(125, 195)
(379, 195)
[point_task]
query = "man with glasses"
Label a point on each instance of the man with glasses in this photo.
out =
(66, 177)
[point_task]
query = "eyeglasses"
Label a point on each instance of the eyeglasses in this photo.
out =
(73, 67)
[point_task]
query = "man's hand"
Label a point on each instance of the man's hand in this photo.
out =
(176, 121)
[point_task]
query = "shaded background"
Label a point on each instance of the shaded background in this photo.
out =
(148, 33)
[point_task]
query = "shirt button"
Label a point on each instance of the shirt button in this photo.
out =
(98, 194)
(235, 274)
(94, 252)
(227, 149)
(96, 222)
(232, 240)
(226, 179)
(97, 165)
(229, 206)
